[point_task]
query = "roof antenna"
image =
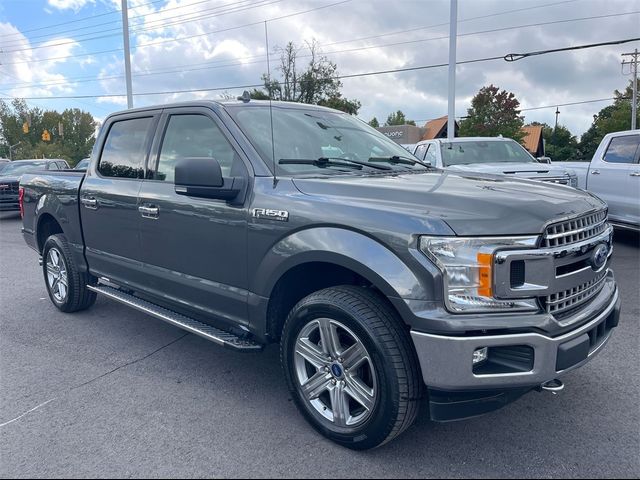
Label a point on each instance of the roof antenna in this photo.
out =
(273, 145)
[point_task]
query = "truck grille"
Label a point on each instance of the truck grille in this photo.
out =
(575, 230)
(8, 188)
(562, 302)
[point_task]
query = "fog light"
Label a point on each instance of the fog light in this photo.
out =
(480, 355)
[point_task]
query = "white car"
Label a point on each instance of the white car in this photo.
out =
(614, 175)
(497, 155)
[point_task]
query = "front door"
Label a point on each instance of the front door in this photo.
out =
(610, 177)
(109, 199)
(194, 249)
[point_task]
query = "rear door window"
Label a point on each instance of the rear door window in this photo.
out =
(623, 149)
(125, 148)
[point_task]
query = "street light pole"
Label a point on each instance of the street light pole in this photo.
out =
(453, 32)
(11, 147)
(127, 53)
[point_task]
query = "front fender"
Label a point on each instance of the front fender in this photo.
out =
(346, 248)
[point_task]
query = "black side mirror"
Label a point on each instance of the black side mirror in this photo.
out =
(202, 177)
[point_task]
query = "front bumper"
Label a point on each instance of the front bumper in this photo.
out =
(446, 361)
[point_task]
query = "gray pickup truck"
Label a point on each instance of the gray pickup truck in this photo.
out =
(387, 283)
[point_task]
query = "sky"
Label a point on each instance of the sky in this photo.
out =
(74, 48)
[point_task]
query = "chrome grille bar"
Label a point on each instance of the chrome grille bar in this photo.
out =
(575, 230)
(573, 297)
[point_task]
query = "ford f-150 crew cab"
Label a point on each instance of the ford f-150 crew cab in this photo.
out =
(614, 175)
(386, 282)
(497, 155)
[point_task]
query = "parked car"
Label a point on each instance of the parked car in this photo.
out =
(82, 164)
(385, 281)
(496, 155)
(10, 174)
(614, 175)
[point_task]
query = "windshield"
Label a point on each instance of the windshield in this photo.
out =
(464, 153)
(20, 168)
(308, 134)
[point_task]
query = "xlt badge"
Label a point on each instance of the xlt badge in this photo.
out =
(270, 214)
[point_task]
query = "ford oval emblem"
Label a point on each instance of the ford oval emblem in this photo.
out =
(599, 257)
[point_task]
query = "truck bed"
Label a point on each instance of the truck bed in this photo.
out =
(54, 193)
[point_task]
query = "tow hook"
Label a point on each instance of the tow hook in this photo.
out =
(553, 386)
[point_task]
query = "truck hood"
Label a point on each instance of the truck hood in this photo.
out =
(526, 170)
(471, 204)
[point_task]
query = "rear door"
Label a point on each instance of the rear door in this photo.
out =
(109, 198)
(194, 249)
(613, 176)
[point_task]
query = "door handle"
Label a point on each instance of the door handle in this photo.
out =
(149, 212)
(89, 202)
(595, 172)
(634, 174)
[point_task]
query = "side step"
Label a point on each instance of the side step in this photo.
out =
(213, 334)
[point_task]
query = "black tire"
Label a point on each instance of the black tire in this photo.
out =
(77, 296)
(389, 350)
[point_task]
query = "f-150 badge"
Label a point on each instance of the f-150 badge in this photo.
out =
(270, 214)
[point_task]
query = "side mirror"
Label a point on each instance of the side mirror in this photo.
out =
(544, 159)
(202, 177)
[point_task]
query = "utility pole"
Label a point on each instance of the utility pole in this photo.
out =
(11, 147)
(634, 72)
(127, 54)
(453, 33)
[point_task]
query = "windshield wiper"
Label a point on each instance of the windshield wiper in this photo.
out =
(324, 162)
(395, 160)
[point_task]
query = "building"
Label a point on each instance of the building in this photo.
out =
(437, 128)
(403, 134)
(410, 134)
(533, 141)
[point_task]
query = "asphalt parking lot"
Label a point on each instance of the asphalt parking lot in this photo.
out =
(112, 392)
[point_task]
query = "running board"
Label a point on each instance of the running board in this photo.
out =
(213, 334)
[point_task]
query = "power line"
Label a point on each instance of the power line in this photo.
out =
(112, 12)
(154, 24)
(608, 99)
(182, 69)
(235, 87)
(513, 57)
(183, 38)
(221, 6)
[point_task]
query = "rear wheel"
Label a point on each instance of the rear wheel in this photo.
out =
(66, 285)
(351, 367)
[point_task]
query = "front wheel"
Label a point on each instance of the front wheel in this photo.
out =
(350, 366)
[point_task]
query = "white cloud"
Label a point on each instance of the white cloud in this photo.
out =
(74, 5)
(20, 71)
(237, 56)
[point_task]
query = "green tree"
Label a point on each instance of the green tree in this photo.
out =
(612, 118)
(398, 118)
(72, 132)
(492, 113)
(559, 143)
(316, 83)
(374, 122)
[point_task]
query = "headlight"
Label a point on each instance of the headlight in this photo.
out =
(467, 269)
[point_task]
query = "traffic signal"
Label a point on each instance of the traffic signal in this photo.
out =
(46, 136)
(25, 127)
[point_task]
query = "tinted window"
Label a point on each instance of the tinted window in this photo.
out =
(622, 149)
(124, 150)
(194, 136)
